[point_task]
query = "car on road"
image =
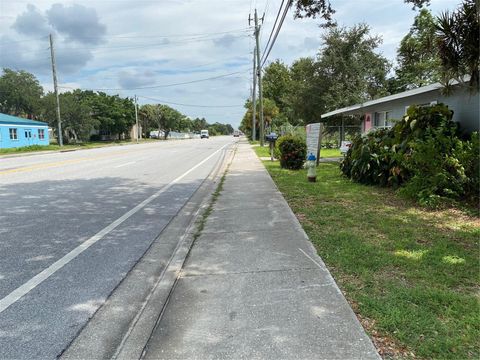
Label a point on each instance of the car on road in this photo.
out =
(236, 133)
(204, 134)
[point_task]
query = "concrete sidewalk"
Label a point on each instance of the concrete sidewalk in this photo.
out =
(253, 286)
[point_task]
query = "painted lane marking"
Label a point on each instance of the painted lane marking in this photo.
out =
(64, 162)
(126, 164)
(31, 284)
(42, 166)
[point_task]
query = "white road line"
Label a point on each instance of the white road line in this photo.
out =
(31, 284)
(126, 164)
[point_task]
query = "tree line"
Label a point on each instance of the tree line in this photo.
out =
(89, 115)
(348, 70)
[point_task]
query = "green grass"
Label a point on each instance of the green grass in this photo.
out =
(262, 151)
(265, 151)
(410, 274)
(66, 147)
(328, 153)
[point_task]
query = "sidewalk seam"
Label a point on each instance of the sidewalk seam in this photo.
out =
(185, 276)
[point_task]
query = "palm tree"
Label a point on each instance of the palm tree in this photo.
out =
(458, 43)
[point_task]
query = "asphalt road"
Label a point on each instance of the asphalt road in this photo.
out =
(73, 224)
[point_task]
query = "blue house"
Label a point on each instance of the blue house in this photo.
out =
(18, 132)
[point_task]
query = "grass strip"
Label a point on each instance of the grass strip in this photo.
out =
(324, 153)
(410, 274)
(66, 147)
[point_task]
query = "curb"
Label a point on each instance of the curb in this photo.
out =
(121, 328)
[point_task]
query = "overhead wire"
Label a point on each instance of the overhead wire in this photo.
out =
(189, 105)
(285, 11)
(136, 46)
(274, 25)
(248, 28)
(159, 86)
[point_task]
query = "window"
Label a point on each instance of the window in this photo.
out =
(379, 120)
(382, 119)
(13, 134)
(41, 134)
(388, 123)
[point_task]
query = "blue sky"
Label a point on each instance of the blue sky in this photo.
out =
(125, 44)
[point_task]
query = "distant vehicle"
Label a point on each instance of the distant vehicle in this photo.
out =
(236, 133)
(155, 134)
(344, 146)
(204, 134)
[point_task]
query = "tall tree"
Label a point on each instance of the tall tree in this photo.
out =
(77, 122)
(417, 56)
(276, 83)
(147, 117)
(458, 42)
(115, 115)
(199, 124)
(20, 93)
(305, 96)
(350, 68)
(323, 8)
(168, 119)
(270, 112)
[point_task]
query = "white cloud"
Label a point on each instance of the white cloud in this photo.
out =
(127, 44)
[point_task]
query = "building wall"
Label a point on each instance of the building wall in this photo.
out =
(464, 105)
(27, 135)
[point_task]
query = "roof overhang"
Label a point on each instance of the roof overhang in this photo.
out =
(355, 109)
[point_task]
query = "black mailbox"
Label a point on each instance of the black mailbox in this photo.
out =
(271, 138)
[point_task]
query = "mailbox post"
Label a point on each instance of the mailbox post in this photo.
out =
(271, 138)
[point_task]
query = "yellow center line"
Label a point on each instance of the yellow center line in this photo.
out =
(68, 162)
(56, 164)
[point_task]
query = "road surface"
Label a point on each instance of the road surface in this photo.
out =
(73, 224)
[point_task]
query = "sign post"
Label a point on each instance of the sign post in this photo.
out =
(314, 139)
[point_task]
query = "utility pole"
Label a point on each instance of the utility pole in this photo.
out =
(55, 87)
(136, 119)
(259, 74)
(254, 97)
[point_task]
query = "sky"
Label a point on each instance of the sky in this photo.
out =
(195, 55)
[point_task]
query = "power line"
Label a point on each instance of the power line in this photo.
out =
(274, 24)
(160, 86)
(19, 41)
(137, 46)
(165, 36)
(285, 11)
(190, 105)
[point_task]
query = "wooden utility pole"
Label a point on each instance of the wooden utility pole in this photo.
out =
(136, 119)
(55, 87)
(254, 97)
(259, 74)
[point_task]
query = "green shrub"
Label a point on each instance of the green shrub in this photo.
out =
(423, 153)
(369, 160)
(292, 151)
